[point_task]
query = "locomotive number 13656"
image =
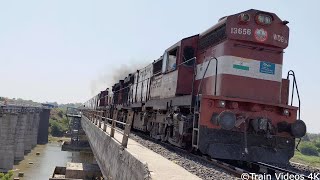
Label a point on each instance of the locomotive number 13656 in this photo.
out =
(242, 31)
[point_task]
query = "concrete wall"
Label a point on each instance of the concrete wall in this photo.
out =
(114, 161)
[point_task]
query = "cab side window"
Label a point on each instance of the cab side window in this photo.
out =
(188, 53)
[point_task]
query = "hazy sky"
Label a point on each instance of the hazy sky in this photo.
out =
(65, 51)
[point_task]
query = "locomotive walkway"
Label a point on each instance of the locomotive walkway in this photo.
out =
(120, 157)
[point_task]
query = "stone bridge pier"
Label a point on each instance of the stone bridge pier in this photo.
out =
(20, 132)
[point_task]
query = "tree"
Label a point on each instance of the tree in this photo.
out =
(56, 129)
(309, 149)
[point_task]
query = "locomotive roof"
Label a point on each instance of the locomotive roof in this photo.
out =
(224, 19)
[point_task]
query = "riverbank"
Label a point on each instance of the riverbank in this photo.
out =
(53, 139)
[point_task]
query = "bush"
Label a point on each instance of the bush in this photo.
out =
(58, 122)
(309, 149)
(56, 129)
(60, 113)
(7, 176)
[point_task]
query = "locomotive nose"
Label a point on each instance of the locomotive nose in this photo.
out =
(298, 129)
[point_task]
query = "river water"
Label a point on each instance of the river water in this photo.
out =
(41, 167)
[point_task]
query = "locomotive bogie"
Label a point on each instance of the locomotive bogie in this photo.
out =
(211, 108)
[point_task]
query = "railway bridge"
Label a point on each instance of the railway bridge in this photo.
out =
(120, 157)
(21, 129)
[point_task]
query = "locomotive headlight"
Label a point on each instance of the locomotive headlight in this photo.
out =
(267, 20)
(286, 112)
(260, 19)
(227, 120)
(222, 103)
(244, 17)
(263, 19)
(298, 129)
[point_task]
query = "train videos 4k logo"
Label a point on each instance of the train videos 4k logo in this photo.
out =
(260, 35)
(279, 176)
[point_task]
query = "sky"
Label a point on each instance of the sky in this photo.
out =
(67, 51)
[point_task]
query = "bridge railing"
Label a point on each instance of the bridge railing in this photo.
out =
(98, 118)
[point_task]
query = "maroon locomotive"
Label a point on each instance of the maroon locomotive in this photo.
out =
(220, 92)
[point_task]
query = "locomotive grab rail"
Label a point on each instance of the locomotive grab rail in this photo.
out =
(294, 85)
(216, 73)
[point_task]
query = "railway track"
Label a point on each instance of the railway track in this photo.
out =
(242, 170)
(271, 169)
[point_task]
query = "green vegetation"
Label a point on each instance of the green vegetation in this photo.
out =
(313, 161)
(309, 153)
(58, 122)
(7, 176)
(309, 149)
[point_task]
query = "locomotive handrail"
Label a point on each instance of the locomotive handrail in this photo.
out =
(184, 62)
(193, 79)
(215, 80)
(205, 71)
(215, 83)
(294, 86)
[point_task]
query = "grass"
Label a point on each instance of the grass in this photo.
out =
(313, 161)
(58, 139)
(309, 153)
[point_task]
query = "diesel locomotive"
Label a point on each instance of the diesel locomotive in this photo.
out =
(220, 92)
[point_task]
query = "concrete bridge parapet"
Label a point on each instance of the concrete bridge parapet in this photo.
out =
(120, 157)
(114, 161)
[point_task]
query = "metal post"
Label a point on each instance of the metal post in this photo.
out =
(127, 128)
(100, 121)
(105, 122)
(96, 117)
(113, 125)
(92, 116)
